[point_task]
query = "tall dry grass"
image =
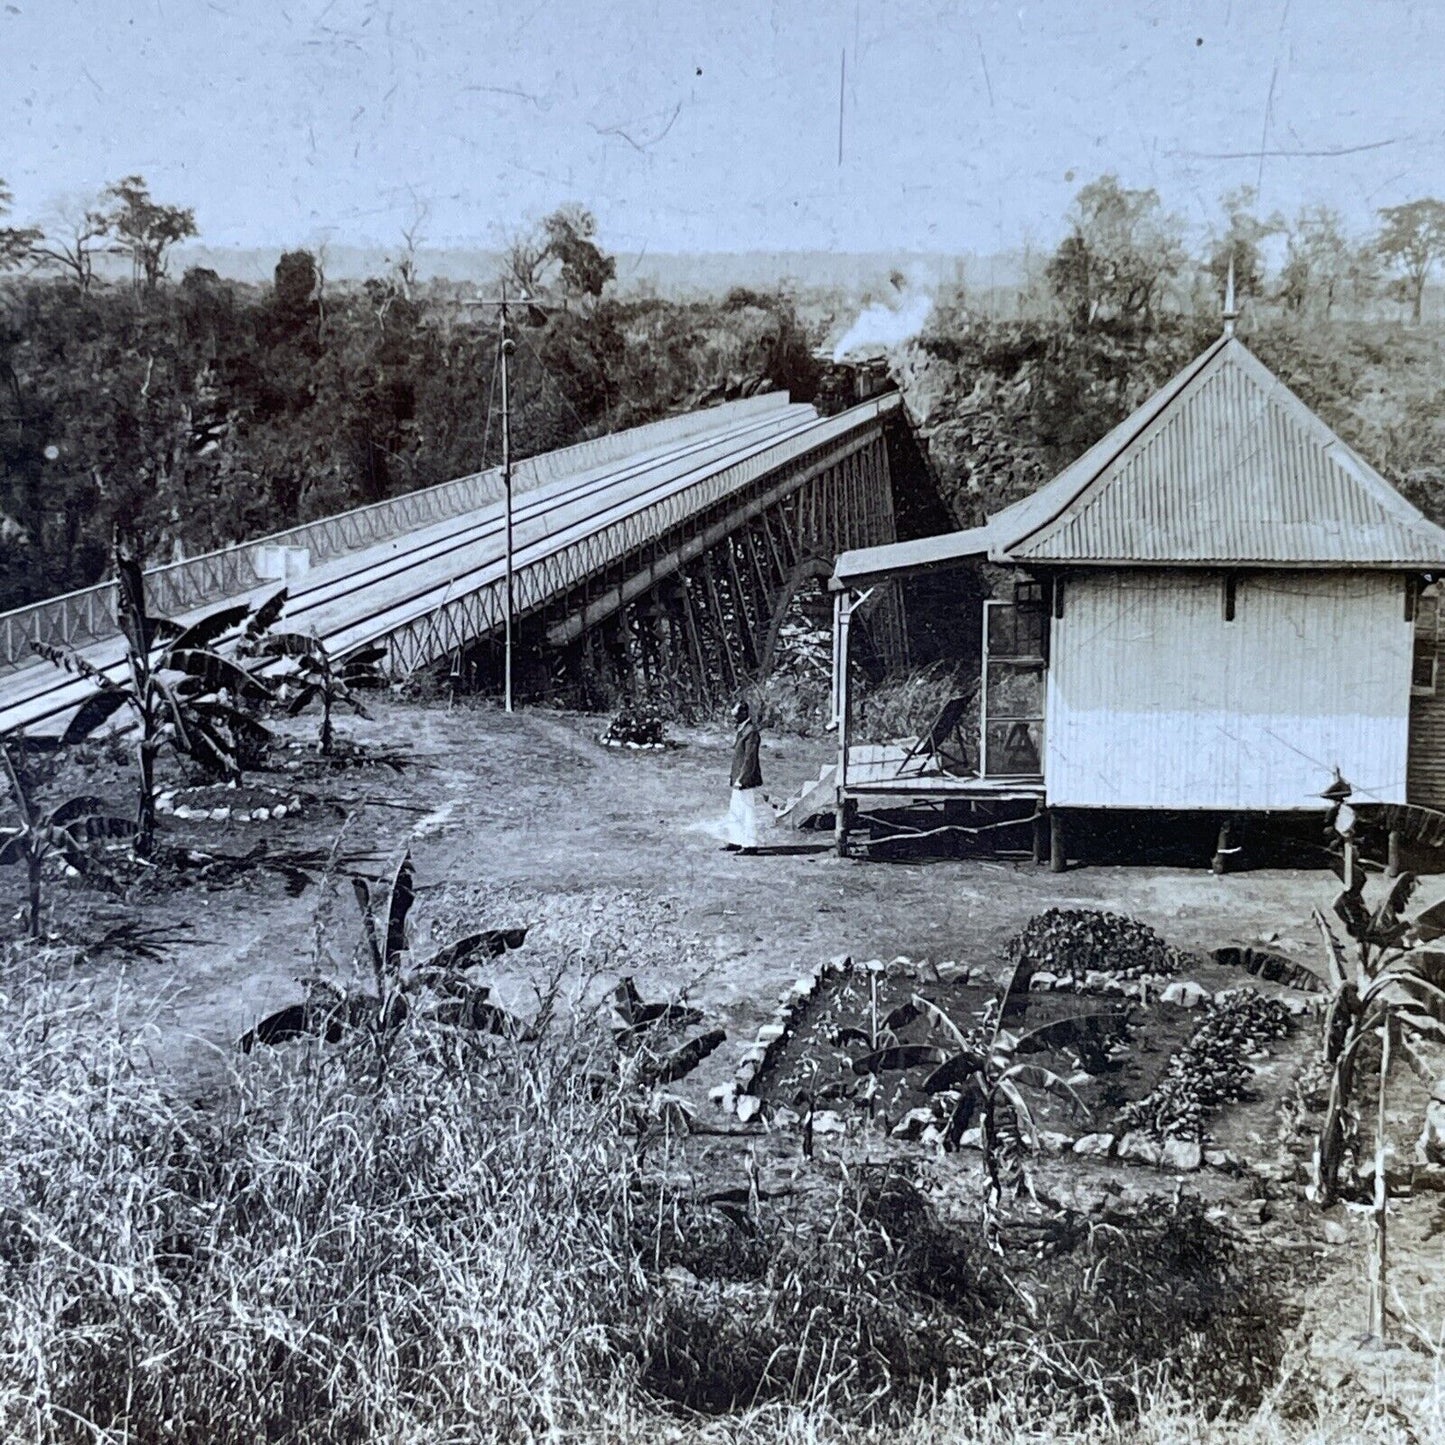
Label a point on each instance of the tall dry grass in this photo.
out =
(429, 1237)
(424, 1239)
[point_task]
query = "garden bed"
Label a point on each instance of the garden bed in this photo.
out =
(228, 802)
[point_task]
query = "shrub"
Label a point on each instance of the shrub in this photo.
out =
(1076, 941)
(641, 725)
(1211, 1069)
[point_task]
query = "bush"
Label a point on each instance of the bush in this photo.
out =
(640, 726)
(1076, 941)
(1211, 1069)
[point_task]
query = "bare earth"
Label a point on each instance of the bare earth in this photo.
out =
(608, 856)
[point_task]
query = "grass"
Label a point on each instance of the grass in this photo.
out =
(426, 1236)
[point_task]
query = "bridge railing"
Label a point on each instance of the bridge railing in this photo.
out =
(78, 619)
(478, 609)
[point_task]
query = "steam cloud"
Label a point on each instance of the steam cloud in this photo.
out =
(881, 327)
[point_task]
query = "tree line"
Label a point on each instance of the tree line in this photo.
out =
(1124, 257)
(194, 413)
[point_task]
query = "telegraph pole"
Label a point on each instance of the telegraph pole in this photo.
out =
(505, 347)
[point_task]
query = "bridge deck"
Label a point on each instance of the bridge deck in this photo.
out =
(562, 528)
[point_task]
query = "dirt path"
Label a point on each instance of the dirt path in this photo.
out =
(529, 819)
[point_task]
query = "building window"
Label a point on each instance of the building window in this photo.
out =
(1427, 644)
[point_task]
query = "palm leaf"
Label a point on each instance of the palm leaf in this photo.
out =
(264, 618)
(366, 656)
(1091, 1028)
(1339, 969)
(304, 698)
(14, 848)
(76, 807)
(490, 944)
(289, 644)
(899, 1056)
(403, 895)
(206, 630)
(93, 712)
(215, 671)
(939, 1019)
(1046, 1081)
(1430, 924)
(955, 1071)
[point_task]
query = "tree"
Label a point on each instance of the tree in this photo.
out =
(1241, 243)
(585, 269)
(72, 230)
(1319, 262)
(17, 243)
(1121, 253)
(63, 830)
(181, 692)
(146, 228)
(326, 679)
(1412, 240)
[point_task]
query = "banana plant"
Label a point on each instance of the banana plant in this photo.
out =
(330, 1011)
(182, 692)
(988, 1075)
(1391, 994)
(331, 681)
(63, 831)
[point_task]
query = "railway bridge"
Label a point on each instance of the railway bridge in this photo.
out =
(663, 557)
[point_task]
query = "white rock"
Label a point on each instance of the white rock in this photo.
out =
(1185, 993)
(1043, 981)
(783, 1117)
(219, 815)
(875, 965)
(1052, 1142)
(912, 1124)
(259, 815)
(771, 1033)
(826, 1121)
(1183, 1156)
(279, 811)
(1140, 1148)
(805, 987)
(183, 813)
(971, 1138)
(1096, 979)
(1094, 1146)
(723, 1095)
(748, 1107)
(1431, 1148)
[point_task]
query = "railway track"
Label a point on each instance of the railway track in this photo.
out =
(369, 594)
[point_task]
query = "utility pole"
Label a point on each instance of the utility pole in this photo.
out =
(505, 347)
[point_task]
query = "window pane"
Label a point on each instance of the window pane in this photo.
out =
(1014, 748)
(1014, 691)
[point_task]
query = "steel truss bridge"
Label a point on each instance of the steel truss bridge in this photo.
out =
(665, 556)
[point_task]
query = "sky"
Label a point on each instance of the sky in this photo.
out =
(717, 125)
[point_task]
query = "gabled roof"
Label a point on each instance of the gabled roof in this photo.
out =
(1222, 466)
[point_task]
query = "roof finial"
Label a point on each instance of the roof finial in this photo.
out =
(1231, 311)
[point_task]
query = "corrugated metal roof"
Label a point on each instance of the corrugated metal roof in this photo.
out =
(1224, 465)
(893, 559)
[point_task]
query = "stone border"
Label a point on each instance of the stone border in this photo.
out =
(166, 806)
(1175, 1156)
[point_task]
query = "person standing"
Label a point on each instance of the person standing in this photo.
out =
(745, 822)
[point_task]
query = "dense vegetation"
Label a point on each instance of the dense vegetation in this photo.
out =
(202, 411)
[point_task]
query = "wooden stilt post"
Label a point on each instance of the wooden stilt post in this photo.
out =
(1223, 847)
(1058, 855)
(842, 813)
(1393, 864)
(1041, 833)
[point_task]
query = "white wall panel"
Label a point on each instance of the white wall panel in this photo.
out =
(1156, 701)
